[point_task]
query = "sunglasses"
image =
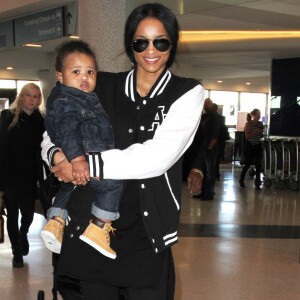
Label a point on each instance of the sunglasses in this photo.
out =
(140, 45)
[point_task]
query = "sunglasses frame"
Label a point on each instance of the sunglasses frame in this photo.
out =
(155, 43)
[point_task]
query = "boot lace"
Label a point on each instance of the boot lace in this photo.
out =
(107, 229)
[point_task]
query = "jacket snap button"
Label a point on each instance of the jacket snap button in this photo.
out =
(144, 102)
(145, 213)
(130, 130)
(142, 128)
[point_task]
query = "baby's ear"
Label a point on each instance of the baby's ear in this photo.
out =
(59, 76)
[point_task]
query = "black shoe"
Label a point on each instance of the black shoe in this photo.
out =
(24, 245)
(197, 196)
(17, 260)
(242, 183)
(207, 198)
(258, 184)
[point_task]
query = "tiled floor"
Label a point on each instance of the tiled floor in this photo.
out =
(244, 245)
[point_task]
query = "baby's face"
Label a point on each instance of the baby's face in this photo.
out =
(79, 71)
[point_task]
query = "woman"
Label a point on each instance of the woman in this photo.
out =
(254, 130)
(157, 113)
(21, 130)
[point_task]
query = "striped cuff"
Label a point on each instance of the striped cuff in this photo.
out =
(95, 164)
(50, 154)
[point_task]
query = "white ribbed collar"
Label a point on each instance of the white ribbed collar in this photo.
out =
(157, 89)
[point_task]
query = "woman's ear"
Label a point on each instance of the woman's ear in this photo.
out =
(59, 77)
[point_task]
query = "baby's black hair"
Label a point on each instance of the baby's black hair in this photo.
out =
(69, 47)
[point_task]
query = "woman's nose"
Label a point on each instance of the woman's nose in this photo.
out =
(151, 47)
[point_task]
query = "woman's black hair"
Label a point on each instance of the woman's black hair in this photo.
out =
(69, 47)
(159, 12)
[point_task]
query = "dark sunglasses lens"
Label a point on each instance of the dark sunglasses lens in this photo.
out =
(140, 45)
(161, 45)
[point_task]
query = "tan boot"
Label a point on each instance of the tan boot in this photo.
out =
(52, 234)
(99, 239)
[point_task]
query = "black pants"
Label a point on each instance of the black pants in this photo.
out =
(15, 198)
(92, 291)
(220, 157)
(253, 155)
(210, 163)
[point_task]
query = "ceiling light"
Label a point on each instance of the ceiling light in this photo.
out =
(235, 35)
(74, 37)
(248, 83)
(9, 68)
(33, 45)
(220, 81)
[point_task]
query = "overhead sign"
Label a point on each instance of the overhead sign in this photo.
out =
(6, 34)
(70, 15)
(38, 27)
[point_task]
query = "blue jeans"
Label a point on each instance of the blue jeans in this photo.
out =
(105, 206)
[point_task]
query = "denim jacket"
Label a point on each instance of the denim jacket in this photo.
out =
(76, 122)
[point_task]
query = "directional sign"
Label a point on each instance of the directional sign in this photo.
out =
(6, 34)
(42, 26)
(70, 15)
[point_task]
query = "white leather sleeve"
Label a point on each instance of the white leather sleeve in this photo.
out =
(170, 141)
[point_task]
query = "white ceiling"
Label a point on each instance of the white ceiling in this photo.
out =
(233, 62)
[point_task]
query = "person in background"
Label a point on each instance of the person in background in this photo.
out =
(154, 114)
(244, 141)
(21, 130)
(207, 144)
(254, 130)
(77, 123)
(223, 137)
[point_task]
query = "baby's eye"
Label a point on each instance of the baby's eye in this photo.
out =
(91, 72)
(76, 71)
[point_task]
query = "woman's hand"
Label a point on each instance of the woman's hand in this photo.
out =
(63, 170)
(194, 181)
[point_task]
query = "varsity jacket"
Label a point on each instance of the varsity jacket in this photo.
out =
(153, 132)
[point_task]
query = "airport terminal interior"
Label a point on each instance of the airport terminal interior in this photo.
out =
(243, 245)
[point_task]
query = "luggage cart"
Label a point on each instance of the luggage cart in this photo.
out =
(282, 176)
(273, 163)
(267, 162)
(281, 164)
(270, 156)
(292, 150)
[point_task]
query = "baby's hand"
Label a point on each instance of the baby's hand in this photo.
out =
(80, 171)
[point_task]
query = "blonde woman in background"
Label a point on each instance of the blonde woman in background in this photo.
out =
(21, 129)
